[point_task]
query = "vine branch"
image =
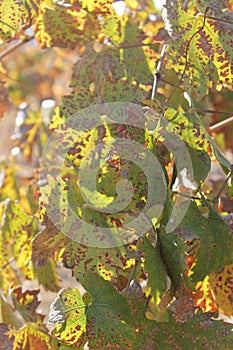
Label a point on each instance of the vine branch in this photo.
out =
(221, 124)
(132, 273)
(199, 110)
(15, 46)
(222, 188)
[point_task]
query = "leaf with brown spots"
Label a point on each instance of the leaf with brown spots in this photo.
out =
(200, 48)
(63, 26)
(103, 315)
(110, 322)
(221, 285)
(199, 332)
(31, 337)
(16, 16)
(68, 312)
(216, 243)
(104, 262)
(26, 304)
(17, 230)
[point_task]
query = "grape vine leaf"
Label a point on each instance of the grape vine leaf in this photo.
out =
(221, 285)
(68, 312)
(46, 243)
(104, 315)
(156, 269)
(172, 252)
(109, 316)
(216, 243)
(26, 303)
(7, 314)
(17, 231)
(201, 164)
(97, 6)
(30, 337)
(190, 129)
(47, 276)
(199, 332)
(104, 262)
(202, 296)
(201, 44)
(6, 343)
(63, 26)
(8, 186)
(138, 302)
(106, 76)
(16, 17)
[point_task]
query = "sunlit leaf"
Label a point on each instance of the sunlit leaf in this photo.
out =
(63, 26)
(68, 311)
(15, 17)
(191, 129)
(17, 231)
(221, 285)
(201, 45)
(46, 243)
(81, 259)
(30, 337)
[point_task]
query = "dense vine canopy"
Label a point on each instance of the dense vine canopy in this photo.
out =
(118, 183)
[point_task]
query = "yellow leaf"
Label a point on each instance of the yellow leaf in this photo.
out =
(221, 285)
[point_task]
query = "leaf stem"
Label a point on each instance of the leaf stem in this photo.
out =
(157, 74)
(133, 46)
(131, 276)
(222, 188)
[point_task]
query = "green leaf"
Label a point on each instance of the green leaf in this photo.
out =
(201, 47)
(138, 303)
(200, 332)
(47, 276)
(7, 314)
(216, 242)
(106, 319)
(156, 269)
(216, 247)
(109, 316)
(201, 164)
(172, 252)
